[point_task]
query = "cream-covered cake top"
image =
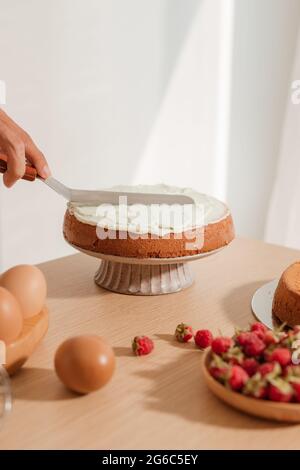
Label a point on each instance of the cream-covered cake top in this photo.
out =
(156, 219)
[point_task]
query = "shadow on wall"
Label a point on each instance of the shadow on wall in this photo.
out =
(263, 54)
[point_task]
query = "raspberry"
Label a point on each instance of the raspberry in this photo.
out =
(259, 329)
(280, 390)
(251, 343)
(237, 377)
(250, 365)
(203, 338)
(281, 355)
(142, 345)
(221, 344)
(183, 333)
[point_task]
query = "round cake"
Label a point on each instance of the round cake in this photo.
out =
(286, 302)
(156, 231)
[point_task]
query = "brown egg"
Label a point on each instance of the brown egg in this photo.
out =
(27, 283)
(84, 363)
(11, 318)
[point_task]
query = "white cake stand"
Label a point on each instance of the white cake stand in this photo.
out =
(146, 276)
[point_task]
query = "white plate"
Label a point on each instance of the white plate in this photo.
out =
(262, 304)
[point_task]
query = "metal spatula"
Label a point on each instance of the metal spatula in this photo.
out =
(99, 197)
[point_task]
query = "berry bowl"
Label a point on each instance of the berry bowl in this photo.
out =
(276, 411)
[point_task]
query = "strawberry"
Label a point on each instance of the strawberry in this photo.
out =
(296, 389)
(256, 387)
(234, 355)
(281, 355)
(258, 326)
(280, 390)
(269, 369)
(271, 338)
(142, 345)
(218, 368)
(250, 365)
(288, 338)
(237, 377)
(183, 333)
(221, 344)
(243, 337)
(292, 371)
(259, 329)
(252, 345)
(203, 339)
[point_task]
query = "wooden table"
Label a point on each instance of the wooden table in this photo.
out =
(153, 402)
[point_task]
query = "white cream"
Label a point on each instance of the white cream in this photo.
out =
(157, 219)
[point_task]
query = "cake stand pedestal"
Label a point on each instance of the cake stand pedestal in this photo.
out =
(150, 276)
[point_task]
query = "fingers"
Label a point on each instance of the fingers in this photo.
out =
(15, 152)
(36, 157)
(22, 147)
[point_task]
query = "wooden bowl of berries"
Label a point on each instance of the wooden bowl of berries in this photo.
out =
(257, 372)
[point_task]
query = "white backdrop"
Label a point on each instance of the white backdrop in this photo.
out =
(283, 222)
(190, 92)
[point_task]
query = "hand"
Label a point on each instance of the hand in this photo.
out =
(18, 146)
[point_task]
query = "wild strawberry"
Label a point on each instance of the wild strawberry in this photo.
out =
(281, 355)
(142, 345)
(203, 338)
(280, 390)
(218, 368)
(221, 344)
(250, 365)
(234, 355)
(256, 387)
(269, 370)
(288, 338)
(183, 333)
(296, 389)
(259, 329)
(243, 337)
(218, 373)
(252, 345)
(292, 371)
(271, 337)
(237, 377)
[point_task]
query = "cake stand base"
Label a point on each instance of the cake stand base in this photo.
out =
(143, 279)
(144, 276)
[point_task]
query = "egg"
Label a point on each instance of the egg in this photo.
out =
(84, 363)
(27, 283)
(11, 318)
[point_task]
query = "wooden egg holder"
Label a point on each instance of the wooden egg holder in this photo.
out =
(34, 329)
(14, 355)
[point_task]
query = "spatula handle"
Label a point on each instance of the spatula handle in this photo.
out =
(30, 172)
